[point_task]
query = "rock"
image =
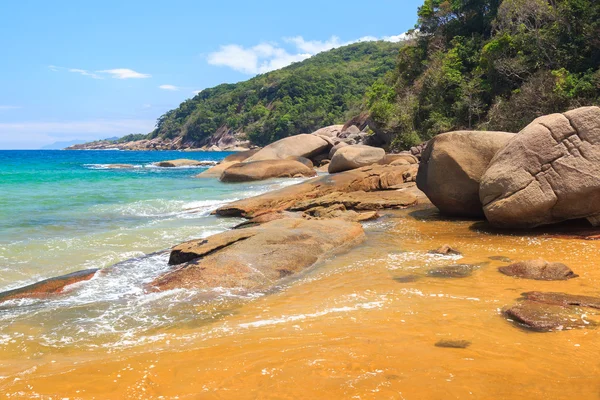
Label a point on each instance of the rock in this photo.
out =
(119, 166)
(407, 278)
(329, 131)
(240, 156)
(258, 257)
(500, 258)
(324, 162)
(302, 160)
(453, 271)
(48, 286)
(339, 211)
(396, 158)
(451, 168)
(261, 170)
(418, 150)
(352, 157)
(184, 163)
(367, 179)
(445, 250)
(216, 171)
(549, 172)
(539, 270)
(264, 218)
(349, 131)
(545, 317)
(360, 200)
(319, 158)
(453, 344)
(303, 145)
(336, 148)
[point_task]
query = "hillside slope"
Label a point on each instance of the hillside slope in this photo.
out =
(323, 90)
(489, 64)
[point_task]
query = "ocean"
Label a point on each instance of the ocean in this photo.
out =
(64, 211)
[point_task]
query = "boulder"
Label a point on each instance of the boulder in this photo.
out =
(548, 173)
(539, 270)
(184, 163)
(367, 179)
(261, 170)
(302, 160)
(240, 156)
(352, 157)
(445, 250)
(393, 158)
(329, 131)
(351, 130)
(451, 168)
(336, 148)
(303, 145)
(48, 286)
(256, 258)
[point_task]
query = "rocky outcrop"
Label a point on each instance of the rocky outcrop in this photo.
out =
(356, 156)
(359, 200)
(217, 170)
(256, 258)
(184, 162)
(303, 145)
(367, 179)
(48, 286)
(451, 169)
(549, 172)
(329, 131)
(261, 170)
(540, 270)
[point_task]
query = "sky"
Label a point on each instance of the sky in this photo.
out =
(80, 70)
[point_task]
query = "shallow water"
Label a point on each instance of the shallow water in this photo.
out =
(352, 327)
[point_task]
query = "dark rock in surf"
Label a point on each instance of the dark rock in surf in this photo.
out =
(539, 270)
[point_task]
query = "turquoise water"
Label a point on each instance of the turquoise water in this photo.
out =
(64, 211)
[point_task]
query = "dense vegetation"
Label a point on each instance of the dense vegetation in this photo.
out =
(489, 64)
(303, 97)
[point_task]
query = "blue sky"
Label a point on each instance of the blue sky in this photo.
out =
(88, 70)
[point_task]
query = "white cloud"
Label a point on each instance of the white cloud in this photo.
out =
(124, 73)
(196, 92)
(266, 57)
(168, 87)
(6, 107)
(53, 68)
(84, 73)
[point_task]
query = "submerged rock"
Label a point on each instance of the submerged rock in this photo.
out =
(353, 157)
(451, 168)
(539, 270)
(261, 170)
(407, 278)
(500, 258)
(257, 257)
(549, 172)
(563, 299)
(120, 166)
(48, 286)
(453, 344)
(453, 271)
(367, 179)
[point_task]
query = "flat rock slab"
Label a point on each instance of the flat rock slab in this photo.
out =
(362, 201)
(256, 258)
(48, 286)
(367, 179)
(563, 299)
(546, 317)
(539, 270)
(184, 163)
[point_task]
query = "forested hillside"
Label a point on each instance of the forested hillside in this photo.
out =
(489, 64)
(323, 90)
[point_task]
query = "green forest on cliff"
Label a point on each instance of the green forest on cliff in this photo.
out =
(323, 90)
(489, 64)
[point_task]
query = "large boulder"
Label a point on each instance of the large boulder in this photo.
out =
(261, 170)
(367, 179)
(257, 257)
(303, 145)
(356, 156)
(329, 131)
(451, 168)
(549, 172)
(240, 156)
